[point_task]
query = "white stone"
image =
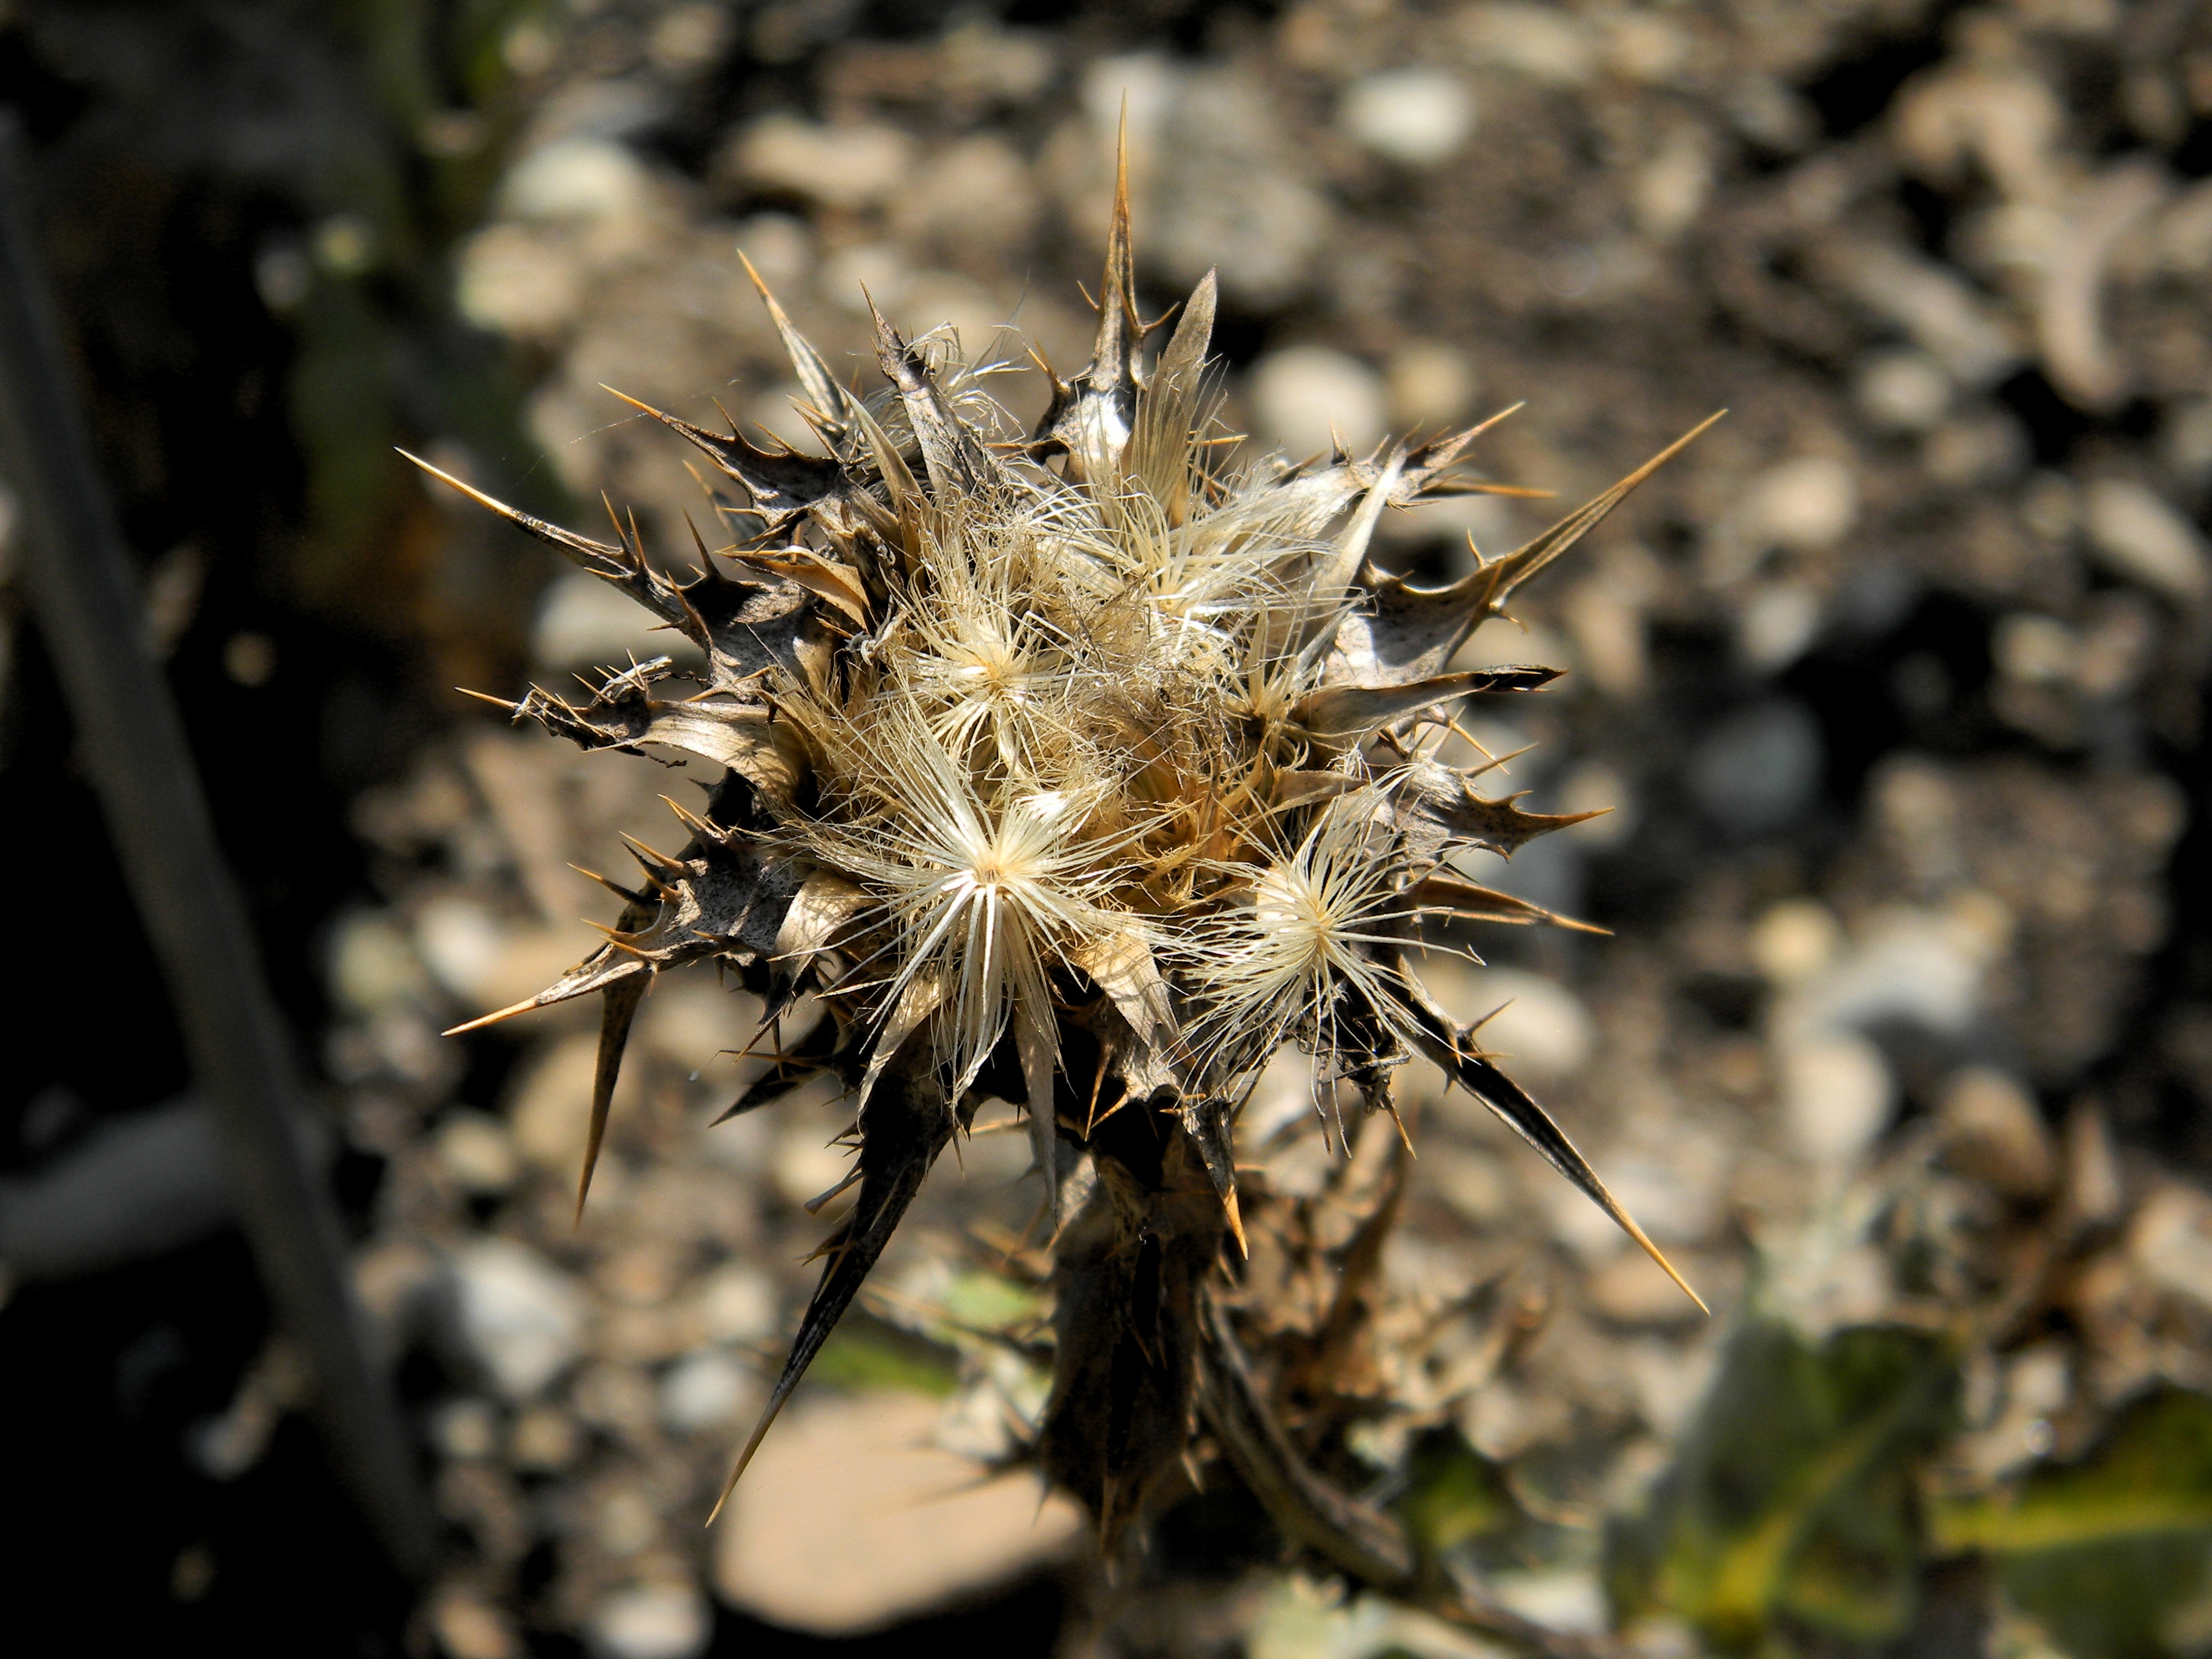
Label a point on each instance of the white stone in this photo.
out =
(1542, 1028)
(520, 1317)
(652, 1622)
(1805, 503)
(1778, 623)
(1914, 967)
(1671, 189)
(1903, 390)
(2034, 650)
(2184, 439)
(468, 1627)
(514, 280)
(1993, 1130)
(1305, 398)
(974, 195)
(475, 1153)
(467, 1428)
(460, 942)
(373, 966)
(1431, 385)
(1141, 84)
(1543, 43)
(1940, 311)
(1568, 1599)
(1675, 1185)
(576, 179)
(945, 299)
(1418, 116)
(807, 1163)
(2171, 1241)
(848, 164)
(854, 1480)
(867, 272)
(981, 59)
(1837, 1093)
(737, 1303)
(583, 622)
(691, 1019)
(1594, 786)
(550, 1108)
(704, 1390)
(1793, 939)
(1543, 1025)
(1230, 193)
(688, 39)
(779, 246)
(2140, 538)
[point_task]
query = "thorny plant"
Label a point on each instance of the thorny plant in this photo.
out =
(1083, 770)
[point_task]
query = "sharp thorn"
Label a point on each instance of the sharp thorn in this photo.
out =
(482, 1020)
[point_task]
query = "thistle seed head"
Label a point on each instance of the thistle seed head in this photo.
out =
(1085, 769)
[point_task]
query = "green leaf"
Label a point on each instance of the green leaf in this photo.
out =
(977, 1300)
(2110, 1554)
(866, 1353)
(1452, 1494)
(1790, 1495)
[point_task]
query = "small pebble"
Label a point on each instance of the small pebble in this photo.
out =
(1793, 940)
(467, 1428)
(477, 1153)
(1837, 1094)
(2137, 536)
(544, 1440)
(1756, 770)
(842, 166)
(703, 1390)
(586, 178)
(520, 1317)
(1307, 397)
(1419, 116)
(1902, 390)
(1807, 503)
(468, 1627)
(651, 1621)
(1429, 385)
(1993, 1130)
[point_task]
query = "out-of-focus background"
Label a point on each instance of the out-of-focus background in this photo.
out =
(1901, 1046)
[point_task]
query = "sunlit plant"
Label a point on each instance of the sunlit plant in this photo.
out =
(1084, 768)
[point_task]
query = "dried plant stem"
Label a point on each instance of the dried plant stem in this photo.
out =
(82, 592)
(1367, 1546)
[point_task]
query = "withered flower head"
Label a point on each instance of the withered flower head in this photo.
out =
(1083, 770)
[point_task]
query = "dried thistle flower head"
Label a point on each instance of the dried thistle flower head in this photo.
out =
(1079, 769)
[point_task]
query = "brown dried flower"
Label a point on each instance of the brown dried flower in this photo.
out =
(1078, 770)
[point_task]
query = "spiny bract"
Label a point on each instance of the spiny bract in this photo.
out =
(1079, 770)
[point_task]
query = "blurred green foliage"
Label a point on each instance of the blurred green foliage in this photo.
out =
(381, 357)
(1791, 1500)
(1454, 1495)
(1790, 1520)
(275, 196)
(867, 1353)
(2109, 1555)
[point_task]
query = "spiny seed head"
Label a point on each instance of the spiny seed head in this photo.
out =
(1096, 743)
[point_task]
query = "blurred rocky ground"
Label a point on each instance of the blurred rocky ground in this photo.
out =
(1901, 1044)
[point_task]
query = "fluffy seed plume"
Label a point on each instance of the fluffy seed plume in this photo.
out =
(1083, 770)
